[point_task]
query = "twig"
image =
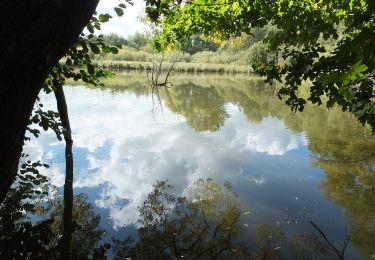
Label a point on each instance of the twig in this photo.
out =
(341, 253)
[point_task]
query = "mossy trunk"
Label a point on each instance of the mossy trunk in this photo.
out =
(34, 36)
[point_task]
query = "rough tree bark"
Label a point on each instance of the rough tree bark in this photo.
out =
(34, 36)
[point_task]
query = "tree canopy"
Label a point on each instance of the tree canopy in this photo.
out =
(329, 44)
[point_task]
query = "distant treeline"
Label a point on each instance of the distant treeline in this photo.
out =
(198, 54)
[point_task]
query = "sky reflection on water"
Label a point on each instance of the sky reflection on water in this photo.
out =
(121, 149)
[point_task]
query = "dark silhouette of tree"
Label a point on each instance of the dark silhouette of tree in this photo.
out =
(20, 238)
(32, 227)
(35, 35)
(68, 186)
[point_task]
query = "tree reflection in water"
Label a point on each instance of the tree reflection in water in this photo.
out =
(31, 227)
(337, 143)
(204, 224)
(21, 238)
(203, 108)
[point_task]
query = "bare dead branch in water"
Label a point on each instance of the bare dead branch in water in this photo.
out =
(153, 81)
(339, 253)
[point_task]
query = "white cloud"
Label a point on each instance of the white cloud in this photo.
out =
(126, 25)
(269, 136)
(34, 150)
(259, 181)
(56, 173)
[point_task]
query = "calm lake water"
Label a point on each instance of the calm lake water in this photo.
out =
(286, 169)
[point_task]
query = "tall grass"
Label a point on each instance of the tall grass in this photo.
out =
(222, 57)
(142, 55)
(222, 62)
(178, 67)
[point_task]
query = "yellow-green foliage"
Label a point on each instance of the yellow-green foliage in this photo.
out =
(221, 57)
(178, 67)
(145, 54)
(224, 61)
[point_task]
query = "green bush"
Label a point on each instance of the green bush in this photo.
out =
(258, 51)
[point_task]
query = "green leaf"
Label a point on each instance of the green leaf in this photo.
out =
(104, 18)
(94, 48)
(90, 28)
(119, 11)
(114, 50)
(106, 49)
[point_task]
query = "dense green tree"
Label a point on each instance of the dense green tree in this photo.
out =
(344, 74)
(197, 43)
(114, 39)
(138, 40)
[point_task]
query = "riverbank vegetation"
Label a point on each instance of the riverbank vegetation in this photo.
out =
(337, 65)
(343, 72)
(198, 54)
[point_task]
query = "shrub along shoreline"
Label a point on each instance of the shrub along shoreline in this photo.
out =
(196, 55)
(180, 67)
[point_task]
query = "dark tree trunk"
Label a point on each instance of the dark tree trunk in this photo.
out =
(68, 187)
(34, 36)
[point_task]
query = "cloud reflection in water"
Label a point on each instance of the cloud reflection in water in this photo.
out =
(143, 150)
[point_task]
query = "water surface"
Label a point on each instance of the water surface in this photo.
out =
(287, 169)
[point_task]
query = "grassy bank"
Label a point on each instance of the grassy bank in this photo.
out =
(134, 78)
(178, 67)
(223, 62)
